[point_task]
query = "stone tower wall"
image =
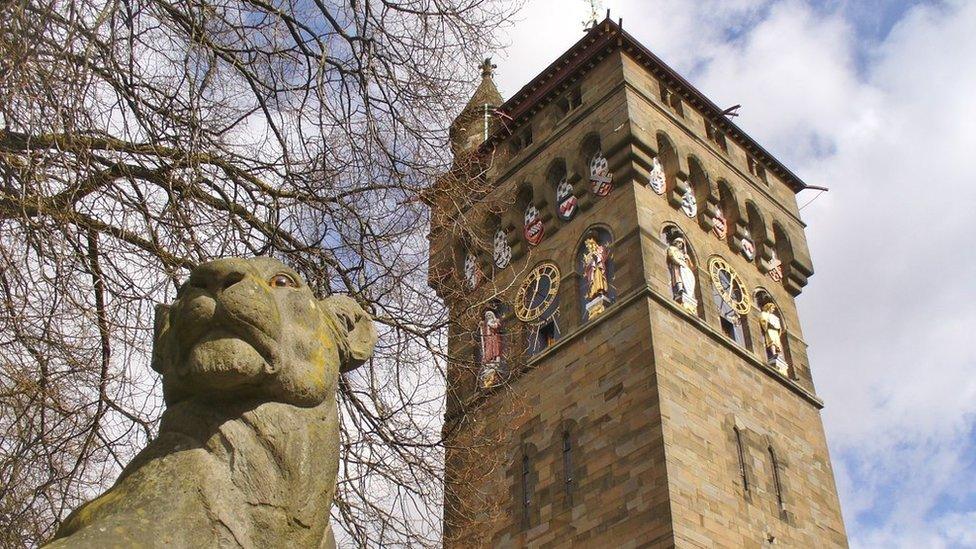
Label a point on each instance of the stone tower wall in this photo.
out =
(653, 397)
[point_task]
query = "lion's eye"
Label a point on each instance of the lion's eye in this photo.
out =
(283, 280)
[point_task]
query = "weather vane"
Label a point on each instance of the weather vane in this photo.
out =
(595, 7)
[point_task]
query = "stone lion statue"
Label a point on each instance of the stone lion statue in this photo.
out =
(247, 452)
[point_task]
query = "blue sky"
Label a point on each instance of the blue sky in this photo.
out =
(874, 99)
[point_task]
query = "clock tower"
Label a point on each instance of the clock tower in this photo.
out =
(626, 364)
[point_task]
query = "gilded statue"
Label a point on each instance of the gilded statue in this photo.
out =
(595, 260)
(248, 447)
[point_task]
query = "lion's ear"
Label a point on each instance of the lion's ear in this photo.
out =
(160, 325)
(354, 329)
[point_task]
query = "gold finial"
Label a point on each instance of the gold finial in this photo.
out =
(487, 68)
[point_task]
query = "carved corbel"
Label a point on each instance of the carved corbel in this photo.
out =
(795, 277)
(706, 213)
(681, 186)
(739, 231)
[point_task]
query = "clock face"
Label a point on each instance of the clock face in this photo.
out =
(729, 285)
(537, 293)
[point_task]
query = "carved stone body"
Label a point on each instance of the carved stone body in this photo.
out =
(247, 452)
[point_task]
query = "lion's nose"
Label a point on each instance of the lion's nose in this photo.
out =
(217, 276)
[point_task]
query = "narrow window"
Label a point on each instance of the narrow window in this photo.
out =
(526, 491)
(777, 484)
(716, 136)
(521, 140)
(742, 459)
(568, 463)
(543, 335)
(569, 102)
(665, 94)
(757, 169)
(575, 98)
(672, 100)
(515, 145)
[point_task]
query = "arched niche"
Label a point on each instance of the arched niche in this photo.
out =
(491, 345)
(501, 243)
(772, 327)
(564, 199)
(682, 265)
(537, 299)
(757, 232)
(594, 264)
(532, 223)
(469, 262)
(595, 165)
(731, 299)
(590, 145)
(728, 204)
(698, 187)
(667, 153)
(784, 249)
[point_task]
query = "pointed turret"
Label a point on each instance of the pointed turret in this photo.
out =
(477, 119)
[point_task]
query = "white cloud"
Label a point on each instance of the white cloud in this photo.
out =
(890, 127)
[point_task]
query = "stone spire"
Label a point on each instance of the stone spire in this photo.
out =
(477, 119)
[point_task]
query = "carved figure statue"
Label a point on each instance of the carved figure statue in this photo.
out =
(772, 328)
(595, 258)
(248, 447)
(683, 282)
(491, 349)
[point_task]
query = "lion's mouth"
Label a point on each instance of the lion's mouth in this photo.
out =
(230, 349)
(264, 344)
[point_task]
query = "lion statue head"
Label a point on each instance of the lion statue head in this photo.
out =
(252, 329)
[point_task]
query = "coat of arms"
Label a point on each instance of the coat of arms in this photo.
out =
(601, 180)
(472, 272)
(657, 180)
(776, 270)
(566, 201)
(533, 228)
(502, 251)
(720, 227)
(748, 247)
(689, 204)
